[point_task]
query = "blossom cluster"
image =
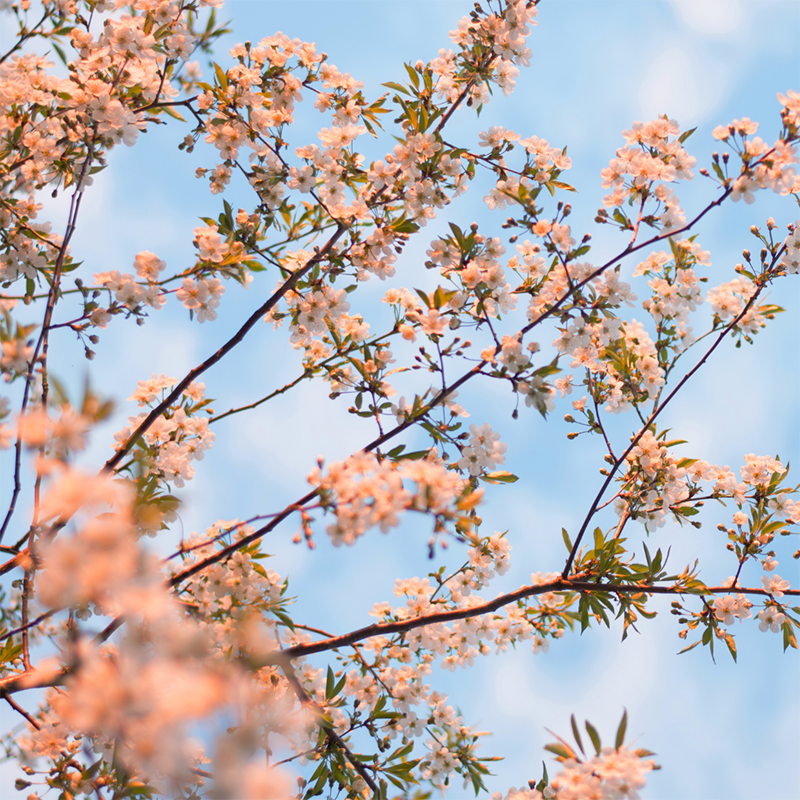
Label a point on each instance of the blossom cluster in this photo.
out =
(128, 293)
(544, 164)
(658, 484)
(55, 130)
(484, 451)
(763, 167)
(676, 292)
(458, 645)
(790, 259)
(613, 774)
(99, 563)
(26, 246)
(139, 696)
(177, 438)
(728, 301)
(503, 35)
(482, 288)
(652, 158)
(228, 593)
(366, 492)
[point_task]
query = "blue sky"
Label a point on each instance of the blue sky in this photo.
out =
(724, 732)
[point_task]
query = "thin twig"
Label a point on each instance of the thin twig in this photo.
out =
(636, 439)
(26, 626)
(331, 734)
(20, 710)
(74, 208)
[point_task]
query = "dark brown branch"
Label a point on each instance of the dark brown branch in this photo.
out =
(19, 560)
(20, 710)
(32, 680)
(27, 35)
(236, 339)
(304, 374)
(232, 548)
(559, 585)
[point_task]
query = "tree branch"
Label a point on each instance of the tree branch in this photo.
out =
(558, 585)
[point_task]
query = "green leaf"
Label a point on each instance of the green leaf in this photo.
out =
(401, 752)
(424, 297)
(499, 477)
(396, 782)
(405, 226)
(442, 296)
(222, 78)
(623, 724)
(285, 619)
(621, 218)
(329, 683)
(413, 74)
(368, 125)
(576, 733)
(731, 645)
(416, 455)
(545, 778)
(459, 235)
(583, 607)
(398, 87)
(173, 113)
(60, 53)
(695, 587)
(10, 651)
(686, 511)
(789, 639)
(561, 750)
(338, 775)
(594, 736)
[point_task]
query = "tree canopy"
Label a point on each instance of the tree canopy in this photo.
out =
(380, 270)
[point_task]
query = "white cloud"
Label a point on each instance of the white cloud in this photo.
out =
(687, 85)
(719, 19)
